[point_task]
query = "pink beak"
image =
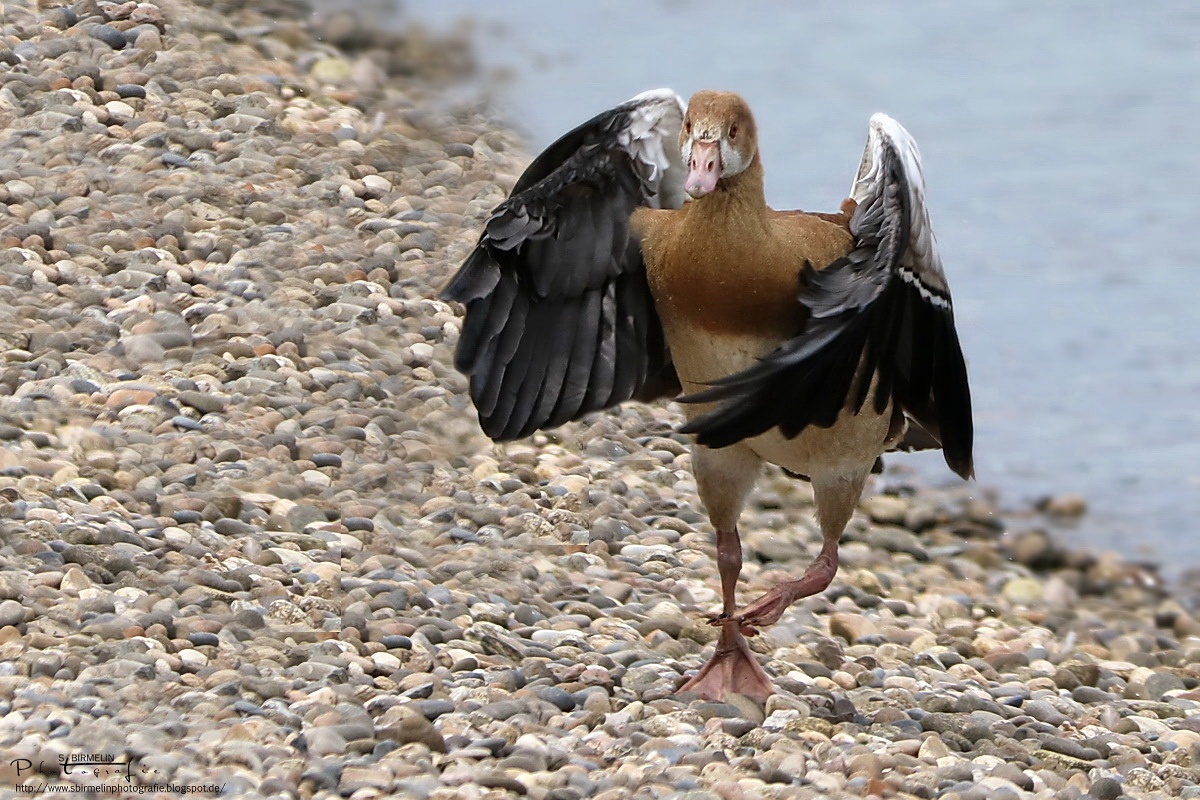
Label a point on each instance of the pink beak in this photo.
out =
(704, 168)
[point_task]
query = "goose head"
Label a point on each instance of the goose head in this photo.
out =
(718, 140)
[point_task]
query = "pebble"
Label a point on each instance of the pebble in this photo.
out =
(193, 659)
(851, 627)
(404, 726)
(109, 35)
(325, 742)
(1065, 505)
(1024, 591)
(11, 613)
(203, 639)
(251, 525)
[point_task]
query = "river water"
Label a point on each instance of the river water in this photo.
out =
(1060, 151)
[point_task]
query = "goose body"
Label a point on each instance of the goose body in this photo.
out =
(814, 341)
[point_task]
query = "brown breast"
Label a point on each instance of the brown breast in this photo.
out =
(739, 278)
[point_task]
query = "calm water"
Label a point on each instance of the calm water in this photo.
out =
(1060, 145)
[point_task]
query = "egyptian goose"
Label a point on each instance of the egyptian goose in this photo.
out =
(812, 341)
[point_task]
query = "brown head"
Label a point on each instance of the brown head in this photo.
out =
(718, 140)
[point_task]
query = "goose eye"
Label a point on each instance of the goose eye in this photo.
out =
(733, 130)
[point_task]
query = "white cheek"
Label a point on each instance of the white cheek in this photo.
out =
(731, 160)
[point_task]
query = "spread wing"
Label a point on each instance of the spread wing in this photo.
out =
(883, 310)
(559, 317)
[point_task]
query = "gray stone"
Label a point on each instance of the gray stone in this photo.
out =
(1160, 683)
(109, 35)
(11, 613)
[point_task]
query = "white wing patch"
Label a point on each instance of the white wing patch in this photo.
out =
(909, 277)
(651, 139)
(888, 138)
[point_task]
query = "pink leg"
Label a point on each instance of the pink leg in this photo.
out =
(729, 567)
(767, 609)
(724, 482)
(836, 496)
(733, 667)
(724, 478)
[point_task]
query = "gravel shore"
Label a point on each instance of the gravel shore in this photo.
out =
(251, 535)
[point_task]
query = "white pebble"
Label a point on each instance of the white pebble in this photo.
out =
(192, 658)
(422, 353)
(377, 184)
(386, 661)
(641, 552)
(119, 111)
(316, 479)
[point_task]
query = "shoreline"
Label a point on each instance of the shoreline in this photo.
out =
(251, 533)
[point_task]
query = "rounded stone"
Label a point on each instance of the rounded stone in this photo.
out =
(11, 613)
